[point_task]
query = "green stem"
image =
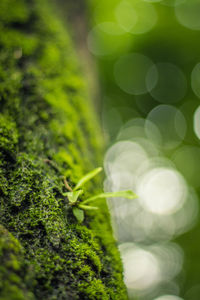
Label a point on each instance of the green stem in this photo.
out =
(85, 207)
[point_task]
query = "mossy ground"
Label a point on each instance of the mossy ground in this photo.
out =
(45, 115)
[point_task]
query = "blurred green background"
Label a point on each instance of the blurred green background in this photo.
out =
(147, 56)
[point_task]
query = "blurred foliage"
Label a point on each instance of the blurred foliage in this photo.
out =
(147, 54)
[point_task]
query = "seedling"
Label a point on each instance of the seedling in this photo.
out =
(78, 207)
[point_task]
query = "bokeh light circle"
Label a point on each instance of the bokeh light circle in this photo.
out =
(130, 73)
(195, 80)
(196, 122)
(187, 217)
(188, 14)
(168, 82)
(124, 156)
(162, 191)
(136, 17)
(141, 268)
(126, 15)
(152, 1)
(172, 2)
(107, 38)
(168, 297)
(170, 123)
(170, 257)
(136, 129)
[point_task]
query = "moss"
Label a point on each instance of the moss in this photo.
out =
(48, 129)
(14, 274)
(8, 135)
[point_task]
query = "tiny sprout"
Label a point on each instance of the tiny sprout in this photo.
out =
(74, 194)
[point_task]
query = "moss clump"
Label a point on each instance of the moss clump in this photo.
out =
(48, 129)
(14, 273)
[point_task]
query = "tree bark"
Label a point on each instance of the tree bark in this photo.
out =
(48, 129)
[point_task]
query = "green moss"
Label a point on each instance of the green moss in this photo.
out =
(14, 274)
(48, 129)
(96, 290)
(8, 134)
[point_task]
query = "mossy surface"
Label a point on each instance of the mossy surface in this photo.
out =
(15, 275)
(48, 129)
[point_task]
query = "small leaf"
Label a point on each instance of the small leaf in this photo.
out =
(87, 177)
(123, 194)
(79, 214)
(73, 196)
(86, 207)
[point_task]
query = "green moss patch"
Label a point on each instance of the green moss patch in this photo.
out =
(48, 129)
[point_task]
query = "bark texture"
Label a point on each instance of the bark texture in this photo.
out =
(48, 130)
